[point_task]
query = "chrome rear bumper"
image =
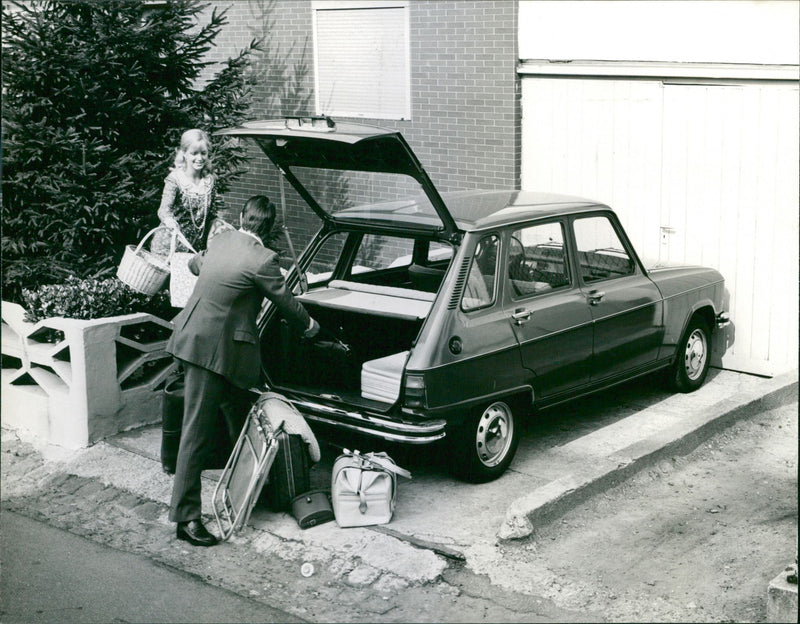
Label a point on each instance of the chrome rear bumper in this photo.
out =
(423, 432)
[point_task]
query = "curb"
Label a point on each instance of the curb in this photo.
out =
(584, 479)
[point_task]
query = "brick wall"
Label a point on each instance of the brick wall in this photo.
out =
(465, 98)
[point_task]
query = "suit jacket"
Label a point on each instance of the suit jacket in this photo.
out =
(217, 328)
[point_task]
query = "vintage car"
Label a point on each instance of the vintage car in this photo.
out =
(458, 314)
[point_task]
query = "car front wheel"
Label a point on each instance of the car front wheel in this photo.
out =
(486, 443)
(692, 359)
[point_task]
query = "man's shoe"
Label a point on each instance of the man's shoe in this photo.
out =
(195, 533)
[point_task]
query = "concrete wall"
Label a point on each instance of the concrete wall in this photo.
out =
(693, 140)
(674, 31)
(71, 382)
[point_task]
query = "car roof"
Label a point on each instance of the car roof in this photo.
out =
(477, 210)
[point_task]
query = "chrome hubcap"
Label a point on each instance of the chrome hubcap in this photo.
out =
(494, 434)
(694, 359)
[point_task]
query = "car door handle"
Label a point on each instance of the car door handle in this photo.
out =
(521, 316)
(595, 296)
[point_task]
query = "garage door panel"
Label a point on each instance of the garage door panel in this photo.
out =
(716, 165)
(596, 139)
(733, 185)
(786, 249)
(765, 237)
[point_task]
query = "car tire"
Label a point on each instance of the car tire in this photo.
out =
(486, 443)
(692, 358)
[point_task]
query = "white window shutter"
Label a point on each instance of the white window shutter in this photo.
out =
(362, 62)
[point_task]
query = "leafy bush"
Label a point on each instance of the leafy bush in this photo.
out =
(95, 98)
(90, 299)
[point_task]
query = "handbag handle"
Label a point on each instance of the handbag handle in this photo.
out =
(178, 236)
(379, 462)
(362, 496)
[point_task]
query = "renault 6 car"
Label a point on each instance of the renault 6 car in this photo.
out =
(455, 315)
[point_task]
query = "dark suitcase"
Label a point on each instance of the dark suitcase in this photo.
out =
(290, 473)
(172, 423)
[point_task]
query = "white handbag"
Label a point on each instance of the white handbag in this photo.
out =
(181, 279)
(364, 488)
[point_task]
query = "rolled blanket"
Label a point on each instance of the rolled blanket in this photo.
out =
(281, 412)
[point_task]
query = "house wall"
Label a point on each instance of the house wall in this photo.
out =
(464, 124)
(693, 140)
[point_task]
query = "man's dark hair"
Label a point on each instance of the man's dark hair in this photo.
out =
(258, 216)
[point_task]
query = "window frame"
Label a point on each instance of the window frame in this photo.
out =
(568, 265)
(405, 105)
(623, 239)
(497, 269)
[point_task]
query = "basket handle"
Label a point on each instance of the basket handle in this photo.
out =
(146, 236)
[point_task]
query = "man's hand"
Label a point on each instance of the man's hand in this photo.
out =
(313, 330)
(195, 262)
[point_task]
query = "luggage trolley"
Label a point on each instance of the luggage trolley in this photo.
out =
(245, 473)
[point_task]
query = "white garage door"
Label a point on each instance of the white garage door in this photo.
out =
(703, 174)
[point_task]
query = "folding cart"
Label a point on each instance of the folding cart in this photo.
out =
(245, 473)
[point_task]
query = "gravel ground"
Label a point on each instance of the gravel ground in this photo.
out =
(695, 539)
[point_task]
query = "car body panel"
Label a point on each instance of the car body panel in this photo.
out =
(555, 340)
(628, 328)
(545, 348)
(686, 290)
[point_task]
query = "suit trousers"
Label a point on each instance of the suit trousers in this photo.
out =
(207, 397)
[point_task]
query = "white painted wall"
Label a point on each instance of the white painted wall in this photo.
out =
(704, 31)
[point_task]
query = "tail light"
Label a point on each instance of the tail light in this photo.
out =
(415, 396)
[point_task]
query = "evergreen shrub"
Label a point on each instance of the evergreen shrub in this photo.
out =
(95, 98)
(91, 298)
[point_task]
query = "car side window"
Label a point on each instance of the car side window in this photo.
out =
(325, 259)
(379, 252)
(601, 254)
(537, 260)
(480, 286)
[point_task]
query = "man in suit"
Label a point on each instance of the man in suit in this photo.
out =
(216, 339)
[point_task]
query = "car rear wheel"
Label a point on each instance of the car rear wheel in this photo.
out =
(486, 443)
(692, 359)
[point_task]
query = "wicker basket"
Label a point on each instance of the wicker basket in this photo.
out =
(143, 271)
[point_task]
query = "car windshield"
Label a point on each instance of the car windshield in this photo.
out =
(392, 199)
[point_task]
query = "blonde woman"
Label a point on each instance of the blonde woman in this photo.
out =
(189, 196)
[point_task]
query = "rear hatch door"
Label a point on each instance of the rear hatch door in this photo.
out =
(372, 158)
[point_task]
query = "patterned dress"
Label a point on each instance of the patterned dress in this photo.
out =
(193, 206)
